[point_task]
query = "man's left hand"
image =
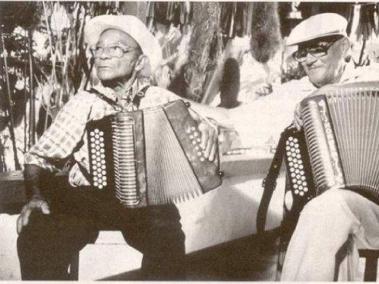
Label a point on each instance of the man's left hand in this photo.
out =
(208, 142)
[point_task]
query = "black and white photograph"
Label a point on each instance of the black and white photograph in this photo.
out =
(189, 141)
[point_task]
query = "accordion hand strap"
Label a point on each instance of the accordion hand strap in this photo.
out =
(269, 183)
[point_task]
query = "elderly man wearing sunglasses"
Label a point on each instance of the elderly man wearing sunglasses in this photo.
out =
(322, 60)
(337, 221)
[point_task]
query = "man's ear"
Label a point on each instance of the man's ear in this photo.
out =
(141, 61)
(346, 47)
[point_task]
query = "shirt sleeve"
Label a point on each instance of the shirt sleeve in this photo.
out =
(65, 133)
(158, 96)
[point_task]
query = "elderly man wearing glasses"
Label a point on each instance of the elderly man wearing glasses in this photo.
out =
(337, 222)
(61, 218)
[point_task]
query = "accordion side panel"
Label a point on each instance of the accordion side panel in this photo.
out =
(322, 149)
(185, 128)
(100, 152)
(300, 185)
(140, 155)
(170, 177)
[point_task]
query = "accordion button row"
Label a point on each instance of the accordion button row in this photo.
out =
(98, 158)
(194, 136)
(296, 167)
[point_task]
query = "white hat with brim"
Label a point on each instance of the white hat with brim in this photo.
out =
(130, 25)
(318, 26)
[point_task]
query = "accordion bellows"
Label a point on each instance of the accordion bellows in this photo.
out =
(341, 125)
(150, 156)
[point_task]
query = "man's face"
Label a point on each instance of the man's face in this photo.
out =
(116, 54)
(323, 60)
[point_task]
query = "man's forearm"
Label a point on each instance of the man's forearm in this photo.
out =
(220, 115)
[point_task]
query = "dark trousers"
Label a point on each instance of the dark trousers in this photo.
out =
(48, 243)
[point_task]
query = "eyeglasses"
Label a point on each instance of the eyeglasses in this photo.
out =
(112, 51)
(318, 50)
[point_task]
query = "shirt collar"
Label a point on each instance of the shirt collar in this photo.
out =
(136, 89)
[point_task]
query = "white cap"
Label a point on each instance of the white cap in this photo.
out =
(130, 25)
(318, 26)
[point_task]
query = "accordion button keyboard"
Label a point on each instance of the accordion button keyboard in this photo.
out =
(194, 136)
(98, 158)
(296, 167)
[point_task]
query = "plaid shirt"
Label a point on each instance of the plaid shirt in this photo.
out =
(67, 134)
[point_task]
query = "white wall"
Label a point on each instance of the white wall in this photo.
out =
(9, 265)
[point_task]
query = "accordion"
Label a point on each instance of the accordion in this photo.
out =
(341, 132)
(337, 148)
(150, 156)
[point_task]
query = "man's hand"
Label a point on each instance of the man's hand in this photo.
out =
(36, 203)
(208, 142)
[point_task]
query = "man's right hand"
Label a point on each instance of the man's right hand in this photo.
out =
(36, 203)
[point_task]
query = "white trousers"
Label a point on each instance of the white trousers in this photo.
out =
(331, 222)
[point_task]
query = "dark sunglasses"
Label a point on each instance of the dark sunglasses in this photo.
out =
(317, 50)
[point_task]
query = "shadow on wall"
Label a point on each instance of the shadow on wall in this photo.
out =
(228, 213)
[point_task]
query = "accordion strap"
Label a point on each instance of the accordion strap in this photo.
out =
(136, 100)
(104, 98)
(269, 183)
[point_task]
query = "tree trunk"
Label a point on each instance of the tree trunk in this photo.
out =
(205, 46)
(137, 9)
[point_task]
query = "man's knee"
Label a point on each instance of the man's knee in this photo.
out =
(165, 232)
(36, 227)
(30, 246)
(324, 206)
